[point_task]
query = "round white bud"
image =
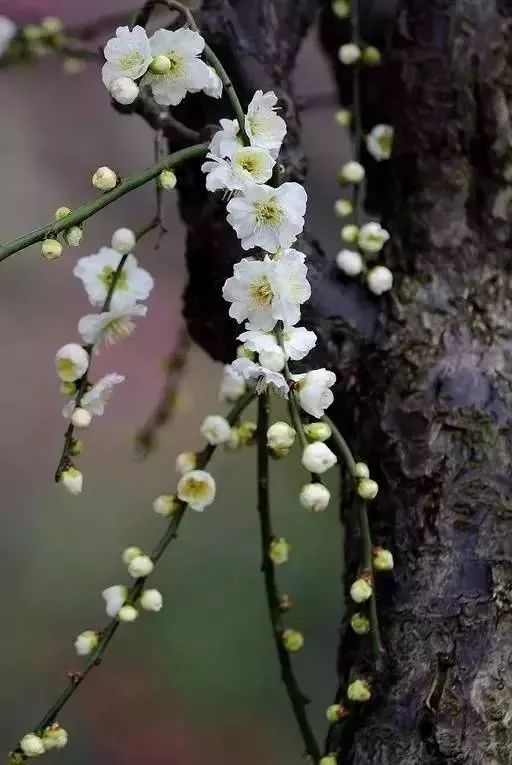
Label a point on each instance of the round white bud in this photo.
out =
(167, 180)
(124, 90)
(74, 236)
(51, 249)
(129, 554)
(379, 279)
(367, 488)
(32, 745)
(361, 470)
(73, 480)
(314, 497)
(341, 8)
(317, 431)
(104, 179)
(382, 559)
(350, 53)
(350, 233)
(55, 737)
(86, 642)
(350, 262)
(343, 208)
(185, 462)
(318, 458)
(127, 614)
(343, 117)
(165, 505)
(361, 591)
(62, 212)
(124, 240)
(351, 172)
(81, 418)
(273, 360)
(216, 430)
(151, 600)
(140, 566)
(280, 436)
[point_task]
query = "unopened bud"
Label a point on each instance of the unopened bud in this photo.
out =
(104, 179)
(350, 233)
(160, 64)
(74, 236)
(382, 559)
(279, 551)
(361, 590)
(371, 56)
(317, 431)
(129, 554)
(127, 614)
(51, 249)
(336, 712)
(293, 640)
(285, 603)
(167, 180)
(343, 117)
(81, 418)
(165, 505)
(359, 691)
(361, 470)
(360, 624)
(62, 212)
(367, 488)
(343, 208)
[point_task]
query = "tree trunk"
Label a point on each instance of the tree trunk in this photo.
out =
(424, 375)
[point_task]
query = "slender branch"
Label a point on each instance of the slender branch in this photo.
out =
(297, 699)
(134, 592)
(356, 111)
(81, 214)
(175, 365)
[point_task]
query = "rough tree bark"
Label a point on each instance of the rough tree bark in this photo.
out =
(424, 375)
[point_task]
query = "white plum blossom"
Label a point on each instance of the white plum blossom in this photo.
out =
(97, 271)
(216, 430)
(95, 399)
(196, 488)
(109, 326)
(247, 166)
(187, 73)
(251, 292)
(55, 737)
(379, 279)
(379, 142)
(227, 140)
(124, 90)
(297, 341)
(265, 378)
(313, 391)
(292, 286)
(72, 362)
(7, 32)
(268, 217)
(232, 385)
(128, 54)
(263, 126)
(350, 262)
(372, 237)
(214, 87)
(114, 598)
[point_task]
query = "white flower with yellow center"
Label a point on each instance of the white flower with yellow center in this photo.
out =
(96, 398)
(72, 362)
(251, 292)
(313, 391)
(197, 489)
(114, 598)
(97, 272)
(379, 142)
(128, 54)
(297, 341)
(109, 326)
(227, 140)
(263, 126)
(247, 165)
(372, 237)
(265, 378)
(186, 74)
(291, 286)
(268, 217)
(7, 31)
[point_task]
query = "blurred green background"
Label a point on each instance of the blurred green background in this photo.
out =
(199, 681)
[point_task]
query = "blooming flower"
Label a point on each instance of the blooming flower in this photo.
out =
(379, 142)
(109, 326)
(227, 140)
(265, 378)
(232, 385)
(72, 362)
(187, 73)
(128, 54)
(95, 399)
(216, 430)
(263, 126)
(214, 87)
(97, 271)
(114, 598)
(248, 165)
(297, 341)
(196, 488)
(268, 217)
(313, 391)
(7, 32)
(372, 237)
(251, 292)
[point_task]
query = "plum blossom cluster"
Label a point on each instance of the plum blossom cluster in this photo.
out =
(168, 63)
(116, 286)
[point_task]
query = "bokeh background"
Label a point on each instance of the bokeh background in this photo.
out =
(199, 681)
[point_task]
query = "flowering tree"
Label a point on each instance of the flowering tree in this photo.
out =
(423, 395)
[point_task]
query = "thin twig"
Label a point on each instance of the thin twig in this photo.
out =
(297, 699)
(356, 110)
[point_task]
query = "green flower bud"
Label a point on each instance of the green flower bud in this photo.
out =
(361, 470)
(361, 590)
(293, 640)
(160, 65)
(343, 117)
(367, 489)
(359, 691)
(167, 180)
(330, 759)
(360, 624)
(382, 559)
(74, 236)
(335, 712)
(285, 603)
(317, 431)
(61, 212)
(51, 249)
(279, 551)
(371, 56)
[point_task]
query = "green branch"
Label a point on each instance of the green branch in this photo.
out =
(84, 212)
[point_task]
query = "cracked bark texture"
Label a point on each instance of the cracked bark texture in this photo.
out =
(424, 375)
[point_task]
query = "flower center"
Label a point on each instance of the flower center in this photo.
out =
(261, 292)
(177, 64)
(269, 213)
(385, 142)
(195, 489)
(130, 60)
(65, 367)
(106, 277)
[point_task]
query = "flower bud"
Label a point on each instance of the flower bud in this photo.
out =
(151, 600)
(336, 712)
(318, 458)
(76, 447)
(360, 624)
(185, 462)
(127, 614)
(104, 179)
(216, 429)
(74, 236)
(293, 640)
(361, 470)
(343, 117)
(32, 32)
(280, 436)
(350, 233)
(343, 208)
(160, 64)
(285, 603)
(359, 691)
(167, 180)
(197, 488)
(371, 56)
(329, 759)
(367, 488)
(32, 745)
(51, 249)
(380, 280)
(361, 590)
(314, 497)
(351, 172)
(233, 443)
(55, 737)
(350, 262)
(52, 25)
(247, 433)
(317, 431)
(350, 53)
(140, 566)
(165, 505)
(114, 598)
(62, 212)
(81, 418)
(129, 554)
(67, 388)
(124, 90)
(382, 559)
(87, 642)
(72, 362)
(72, 479)
(279, 551)
(123, 240)
(372, 237)
(273, 360)
(341, 8)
